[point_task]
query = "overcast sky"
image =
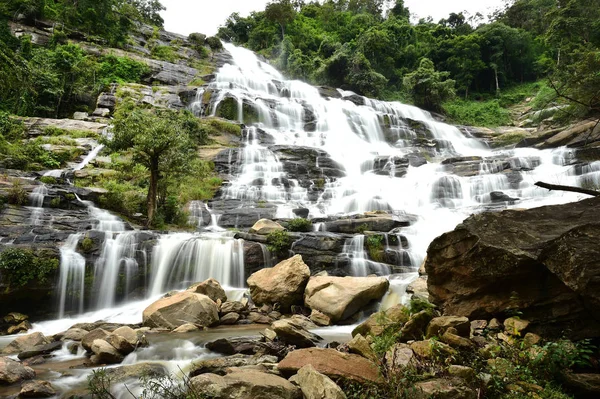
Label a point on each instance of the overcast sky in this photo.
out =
(205, 16)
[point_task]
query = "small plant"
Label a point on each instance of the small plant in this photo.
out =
(417, 305)
(300, 224)
(214, 43)
(55, 202)
(17, 195)
(87, 245)
(48, 180)
(279, 241)
(375, 247)
(362, 228)
(21, 266)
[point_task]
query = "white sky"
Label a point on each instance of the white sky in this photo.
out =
(205, 16)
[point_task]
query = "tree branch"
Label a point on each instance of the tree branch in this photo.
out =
(568, 188)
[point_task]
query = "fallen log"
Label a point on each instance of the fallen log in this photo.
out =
(568, 188)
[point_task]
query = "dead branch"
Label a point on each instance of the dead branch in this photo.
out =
(568, 188)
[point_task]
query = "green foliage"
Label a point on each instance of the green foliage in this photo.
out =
(21, 266)
(164, 53)
(476, 113)
(300, 224)
(362, 228)
(374, 246)
(417, 305)
(279, 241)
(17, 195)
(429, 88)
(11, 129)
(87, 245)
(113, 69)
(214, 43)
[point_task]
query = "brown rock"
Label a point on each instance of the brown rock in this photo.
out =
(455, 341)
(93, 335)
(229, 318)
(332, 363)
(294, 334)
(283, 284)
(439, 325)
(319, 318)
(25, 342)
(315, 385)
(415, 327)
(399, 357)
(531, 339)
(179, 309)
(245, 385)
(211, 288)
(464, 372)
(23, 326)
(74, 334)
(265, 226)
(232, 307)
(360, 346)
(515, 326)
(186, 328)
(342, 297)
(379, 321)
(36, 389)
(105, 353)
(12, 371)
(441, 388)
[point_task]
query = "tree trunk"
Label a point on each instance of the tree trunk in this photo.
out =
(152, 190)
(496, 77)
(282, 32)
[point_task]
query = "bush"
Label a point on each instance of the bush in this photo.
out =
(21, 266)
(375, 246)
(279, 241)
(214, 43)
(87, 245)
(477, 113)
(48, 180)
(165, 53)
(197, 38)
(113, 69)
(10, 128)
(300, 224)
(17, 195)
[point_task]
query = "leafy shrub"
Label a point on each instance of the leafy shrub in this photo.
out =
(476, 113)
(214, 43)
(121, 70)
(165, 53)
(87, 245)
(55, 202)
(21, 266)
(417, 304)
(300, 224)
(10, 128)
(17, 195)
(279, 241)
(48, 180)
(374, 247)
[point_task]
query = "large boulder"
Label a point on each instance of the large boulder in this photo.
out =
(332, 363)
(283, 284)
(37, 389)
(179, 309)
(211, 288)
(542, 262)
(293, 334)
(12, 371)
(105, 353)
(25, 343)
(315, 385)
(265, 226)
(222, 364)
(245, 385)
(341, 297)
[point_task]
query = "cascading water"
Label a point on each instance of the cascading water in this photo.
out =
(72, 277)
(391, 154)
(37, 202)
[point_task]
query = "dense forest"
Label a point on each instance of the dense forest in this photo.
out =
(371, 47)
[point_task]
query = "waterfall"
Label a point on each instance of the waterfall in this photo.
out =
(89, 157)
(181, 259)
(37, 202)
(72, 276)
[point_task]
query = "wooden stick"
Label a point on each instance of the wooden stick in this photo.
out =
(568, 188)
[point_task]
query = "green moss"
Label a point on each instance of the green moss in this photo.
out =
(374, 246)
(87, 245)
(228, 109)
(55, 202)
(48, 180)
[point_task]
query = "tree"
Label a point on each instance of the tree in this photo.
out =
(429, 88)
(281, 12)
(161, 140)
(399, 11)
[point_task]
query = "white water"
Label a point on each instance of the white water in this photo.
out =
(89, 157)
(72, 276)
(37, 202)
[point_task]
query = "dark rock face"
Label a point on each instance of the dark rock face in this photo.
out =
(542, 261)
(321, 251)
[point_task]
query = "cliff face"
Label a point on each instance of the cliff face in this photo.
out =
(542, 262)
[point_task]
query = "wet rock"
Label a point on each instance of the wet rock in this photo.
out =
(37, 389)
(15, 318)
(181, 308)
(245, 385)
(293, 334)
(93, 335)
(383, 224)
(321, 250)
(74, 334)
(283, 284)
(331, 363)
(219, 365)
(12, 371)
(23, 326)
(134, 371)
(342, 297)
(105, 353)
(439, 325)
(541, 261)
(25, 342)
(264, 227)
(229, 318)
(41, 350)
(315, 385)
(186, 328)
(232, 306)
(211, 288)
(259, 318)
(319, 318)
(232, 346)
(124, 339)
(107, 100)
